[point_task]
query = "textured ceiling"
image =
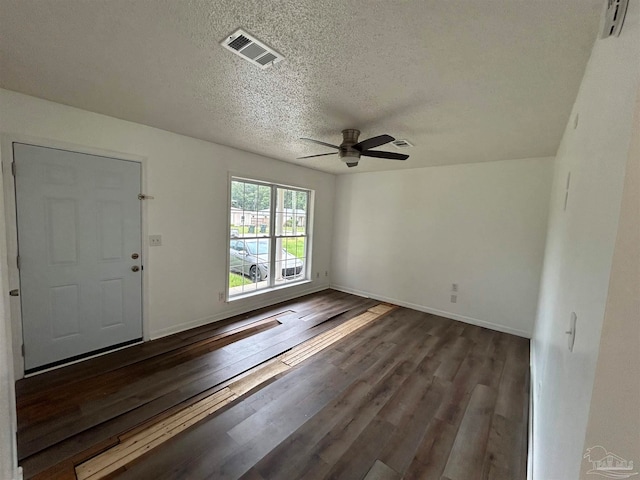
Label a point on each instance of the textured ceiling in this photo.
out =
(465, 81)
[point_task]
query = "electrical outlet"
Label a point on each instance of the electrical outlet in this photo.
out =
(454, 287)
(454, 299)
(155, 240)
(221, 296)
(326, 273)
(317, 274)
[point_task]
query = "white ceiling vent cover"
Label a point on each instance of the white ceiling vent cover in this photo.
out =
(402, 143)
(252, 50)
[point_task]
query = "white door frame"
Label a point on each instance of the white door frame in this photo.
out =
(8, 184)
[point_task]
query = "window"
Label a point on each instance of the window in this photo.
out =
(268, 236)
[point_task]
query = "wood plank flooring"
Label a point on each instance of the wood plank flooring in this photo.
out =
(133, 446)
(410, 395)
(65, 412)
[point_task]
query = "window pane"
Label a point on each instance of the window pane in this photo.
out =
(248, 265)
(264, 213)
(291, 212)
(250, 204)
(251, 236)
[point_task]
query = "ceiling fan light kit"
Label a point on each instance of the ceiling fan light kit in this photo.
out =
(350, 150)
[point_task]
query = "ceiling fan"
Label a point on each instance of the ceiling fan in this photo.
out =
(350, 149)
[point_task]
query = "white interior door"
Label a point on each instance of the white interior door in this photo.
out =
(79, 244)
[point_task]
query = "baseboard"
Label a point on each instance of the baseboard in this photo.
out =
(435, 311)
(262, 302)
(532, 396)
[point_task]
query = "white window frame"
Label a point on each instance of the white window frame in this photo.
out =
(273, 237)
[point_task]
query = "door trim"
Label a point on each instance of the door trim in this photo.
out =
(8, 184)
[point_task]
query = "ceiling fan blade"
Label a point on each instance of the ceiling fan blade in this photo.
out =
(320, 155)
(373, 142)
(388, 155)
(321, 143)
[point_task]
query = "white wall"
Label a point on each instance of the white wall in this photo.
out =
(406, 236)
(579, 251)
(614, 416)
(8, 428)
(188, 179)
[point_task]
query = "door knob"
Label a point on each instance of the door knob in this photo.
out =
(135, 268)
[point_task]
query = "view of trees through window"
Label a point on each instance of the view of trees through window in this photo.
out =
(268, 236)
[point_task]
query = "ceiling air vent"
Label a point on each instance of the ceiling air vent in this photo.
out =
(401, 143)
(252, 50)
(614, 18)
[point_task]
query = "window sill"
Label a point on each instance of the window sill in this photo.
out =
(286, 284)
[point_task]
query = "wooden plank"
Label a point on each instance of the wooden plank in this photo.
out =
(181, 416)
(277, 420)
(32, 388)
(137, 445)
(433, 451)
(346, 326)
(382, 308)
(62, 471)
(304, 351)
(358, 458)
(119, 456)
(451, 357)
(125, 385)
(297, 457)
(66, 375)
(505, 438)
(258, 376)
(168, 428)
(381, 471)
(252, 474)
(160, 429)
(179, 459)
(466, 459)
(290, 458)
(411, 393)
(412, 424)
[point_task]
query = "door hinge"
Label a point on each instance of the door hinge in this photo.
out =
(22, 349)
(142, 196)
(18, 262)
(13, 168)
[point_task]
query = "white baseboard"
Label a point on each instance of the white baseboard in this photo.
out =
(434, 311)
(244, 308)
(530, 432)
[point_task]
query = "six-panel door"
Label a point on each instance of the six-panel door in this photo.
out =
(79, 228)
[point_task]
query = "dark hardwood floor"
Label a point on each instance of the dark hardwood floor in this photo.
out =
(410, 395)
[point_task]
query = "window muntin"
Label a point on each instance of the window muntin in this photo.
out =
(268, 227)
